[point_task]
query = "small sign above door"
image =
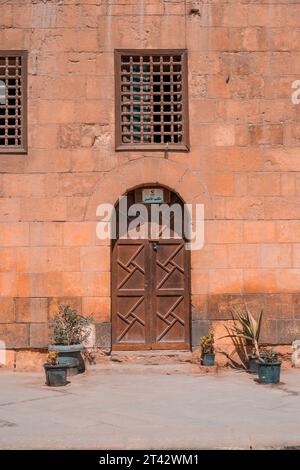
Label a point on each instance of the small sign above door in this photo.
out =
(153, 196)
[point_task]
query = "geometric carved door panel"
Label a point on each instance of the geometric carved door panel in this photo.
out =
(150, 295)
(171, 300)
(129, 293)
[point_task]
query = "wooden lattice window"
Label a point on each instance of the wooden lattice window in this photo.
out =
(13, 88)
(151, 100)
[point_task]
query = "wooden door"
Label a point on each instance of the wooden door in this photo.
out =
(150, 295)
(170, 295)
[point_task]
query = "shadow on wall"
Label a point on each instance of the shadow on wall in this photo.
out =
(280, 325)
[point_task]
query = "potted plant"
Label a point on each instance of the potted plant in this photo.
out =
(69, 331)
(269, 367)
(207, 349)
(56, 373)
(247, 328)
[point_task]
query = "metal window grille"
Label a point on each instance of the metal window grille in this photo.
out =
(151, 100)
(13, 71)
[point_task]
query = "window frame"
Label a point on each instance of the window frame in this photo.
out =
(23, 149)
(119, 145)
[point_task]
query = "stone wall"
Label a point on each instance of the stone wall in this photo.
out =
(243, 163)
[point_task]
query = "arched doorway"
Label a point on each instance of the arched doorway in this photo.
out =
(151, 281)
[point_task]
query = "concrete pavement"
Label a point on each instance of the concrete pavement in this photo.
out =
(129, 407)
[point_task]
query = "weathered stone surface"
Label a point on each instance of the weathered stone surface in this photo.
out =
(270, 332)
(31, 310)
(103, 335)
(69, 136)
(15, 335)
(39, 335)
(288, 331)
(99, 307)
(199, 307)
(7, 314)
(199, 328)
(74, 302)
(27, 360)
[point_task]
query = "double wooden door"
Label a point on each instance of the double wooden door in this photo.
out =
(150, 295)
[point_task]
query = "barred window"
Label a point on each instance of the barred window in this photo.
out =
(151, 100)
(13, 78)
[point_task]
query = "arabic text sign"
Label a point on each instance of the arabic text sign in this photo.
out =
(153, 196)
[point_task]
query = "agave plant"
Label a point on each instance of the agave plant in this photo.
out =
(246, 327)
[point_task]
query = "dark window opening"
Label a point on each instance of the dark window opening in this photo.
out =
(151, 100)
(13, 70)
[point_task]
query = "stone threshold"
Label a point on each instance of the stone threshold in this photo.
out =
(137, 368)
(153, 357)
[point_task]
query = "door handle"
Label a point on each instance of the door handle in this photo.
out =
(154, 246)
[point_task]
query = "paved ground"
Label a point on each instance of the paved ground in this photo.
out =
(117, 407)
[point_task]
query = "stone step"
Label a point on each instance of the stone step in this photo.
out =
(135, 368)
(152, 357)
(122, 368)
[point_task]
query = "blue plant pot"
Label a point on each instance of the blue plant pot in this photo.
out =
(56, 375)
(269, 372)
(252, 364)
(68, 354)
(208, 359)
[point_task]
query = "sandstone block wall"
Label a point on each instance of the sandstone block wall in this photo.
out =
(244, 161)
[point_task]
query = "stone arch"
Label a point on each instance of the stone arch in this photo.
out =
(146, 171)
